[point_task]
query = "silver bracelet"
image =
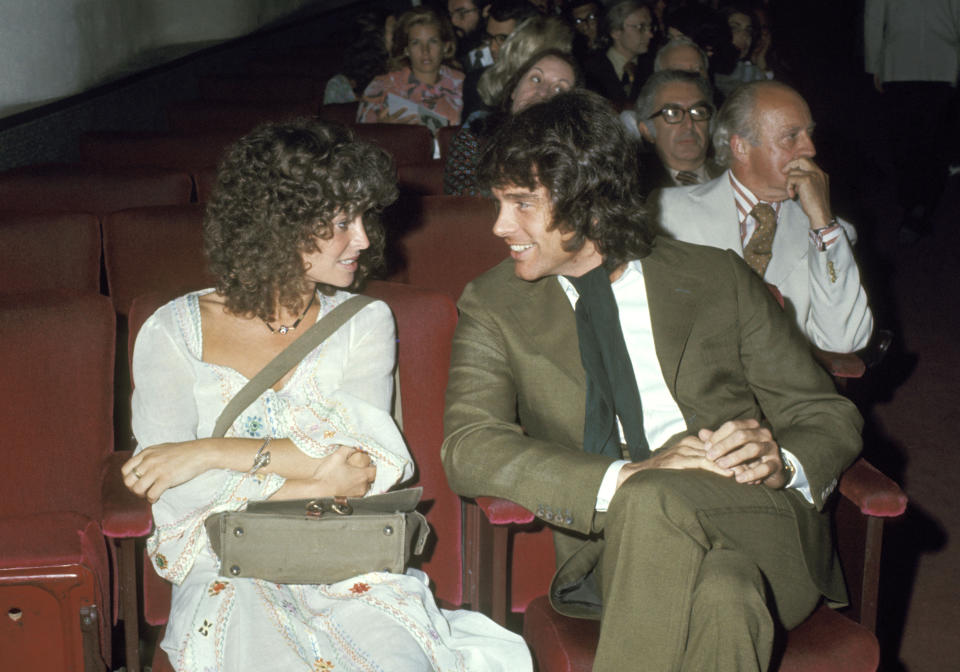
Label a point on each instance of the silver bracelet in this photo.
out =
(262, 458)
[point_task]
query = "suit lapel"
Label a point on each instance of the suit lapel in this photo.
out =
(789, 245)
(544, 313)
(716, 197)
(672, 297)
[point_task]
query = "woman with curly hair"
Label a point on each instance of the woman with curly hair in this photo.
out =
(293, 224)
(420, 88)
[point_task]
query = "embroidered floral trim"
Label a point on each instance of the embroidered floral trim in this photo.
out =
(322, 665)
(216, 587)
(253, 426)
(160, 560)
(359, 588)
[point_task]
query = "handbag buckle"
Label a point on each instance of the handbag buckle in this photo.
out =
(315, 508)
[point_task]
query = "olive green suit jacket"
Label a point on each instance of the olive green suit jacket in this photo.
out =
(516, 395)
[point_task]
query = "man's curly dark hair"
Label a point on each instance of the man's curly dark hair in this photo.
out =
(576, 146)
(278, 190)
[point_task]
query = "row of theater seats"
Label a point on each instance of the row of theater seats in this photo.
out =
(58, 355)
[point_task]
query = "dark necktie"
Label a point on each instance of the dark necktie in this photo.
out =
(611, 386)
(629, 74)
(759, 248)
(687, 177)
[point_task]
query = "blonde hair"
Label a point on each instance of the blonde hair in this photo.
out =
(535, 34)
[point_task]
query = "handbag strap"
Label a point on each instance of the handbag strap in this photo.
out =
(287, 359)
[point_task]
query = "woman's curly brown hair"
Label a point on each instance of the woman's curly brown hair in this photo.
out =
(278, 190)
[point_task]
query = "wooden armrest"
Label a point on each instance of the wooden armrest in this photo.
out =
(874, 493)
(124, 514)
(840, 364)
(503, 512)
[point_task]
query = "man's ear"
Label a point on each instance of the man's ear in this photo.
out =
(739, 148)
(485, 12)
(647, 131)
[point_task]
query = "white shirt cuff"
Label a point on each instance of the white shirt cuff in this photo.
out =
(799, 481)
(608, 486)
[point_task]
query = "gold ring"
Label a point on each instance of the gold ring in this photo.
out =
(136, 472)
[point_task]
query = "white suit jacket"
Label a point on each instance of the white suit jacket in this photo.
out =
(821, 290)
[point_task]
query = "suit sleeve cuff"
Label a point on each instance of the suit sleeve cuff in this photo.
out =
(608, 486)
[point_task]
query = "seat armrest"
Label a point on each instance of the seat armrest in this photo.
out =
(503, 512)
(871, 491)
(125, 515)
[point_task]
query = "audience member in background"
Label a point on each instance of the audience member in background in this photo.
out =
(709, 31)
(584, 17)
(501, 18)
(365, 59)
(544, 75)
(465, 18)
(913, 53)
(741, 36)
(673, 114)
(618, 73)
(772, 207)
(682, 53)
(420, 89)
(533, 35)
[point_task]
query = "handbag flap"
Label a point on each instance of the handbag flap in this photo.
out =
(389, 502)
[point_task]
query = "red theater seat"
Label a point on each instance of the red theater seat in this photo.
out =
(203, 116)
(56, 358)
(95, 189)
(186, 151)
(448, 241)
(407, 144)
(154, 250)
(340, 113)
(274, 88)
(49, 250)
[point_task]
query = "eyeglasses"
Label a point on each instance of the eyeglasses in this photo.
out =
(463, 13)
(589, 18)
(640, 27)
(674, 114)
(499, 39)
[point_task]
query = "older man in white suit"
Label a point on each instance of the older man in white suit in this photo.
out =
(772, 207)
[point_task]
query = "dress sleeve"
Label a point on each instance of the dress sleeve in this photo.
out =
(357, 411)
(165, 411)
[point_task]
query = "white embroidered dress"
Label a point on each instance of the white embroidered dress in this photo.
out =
(339, 394)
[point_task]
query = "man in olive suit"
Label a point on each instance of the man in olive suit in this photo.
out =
(649, 400)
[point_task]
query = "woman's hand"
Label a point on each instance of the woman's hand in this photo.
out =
(152, 471)
(348, 472)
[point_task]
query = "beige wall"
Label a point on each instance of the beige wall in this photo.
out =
(50, 49)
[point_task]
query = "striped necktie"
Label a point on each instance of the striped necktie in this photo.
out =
(759, 248)
(686, 177)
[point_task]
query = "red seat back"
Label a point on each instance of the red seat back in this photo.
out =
(263, 88)
(203, 116)
(186, 151)
(154, 250)
(56, 359)
(340, 113)
(448, 241)
(406, 143)
(50, 250)
(95, 189)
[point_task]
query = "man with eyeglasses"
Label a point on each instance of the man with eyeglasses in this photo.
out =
(772, 207)
(584, 17)
(618, 73)
(673, 114)
(501, 18)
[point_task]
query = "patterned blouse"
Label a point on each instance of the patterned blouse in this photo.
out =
(445, 98)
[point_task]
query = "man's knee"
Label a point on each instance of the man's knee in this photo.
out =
(729, 580)
(655, 493)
